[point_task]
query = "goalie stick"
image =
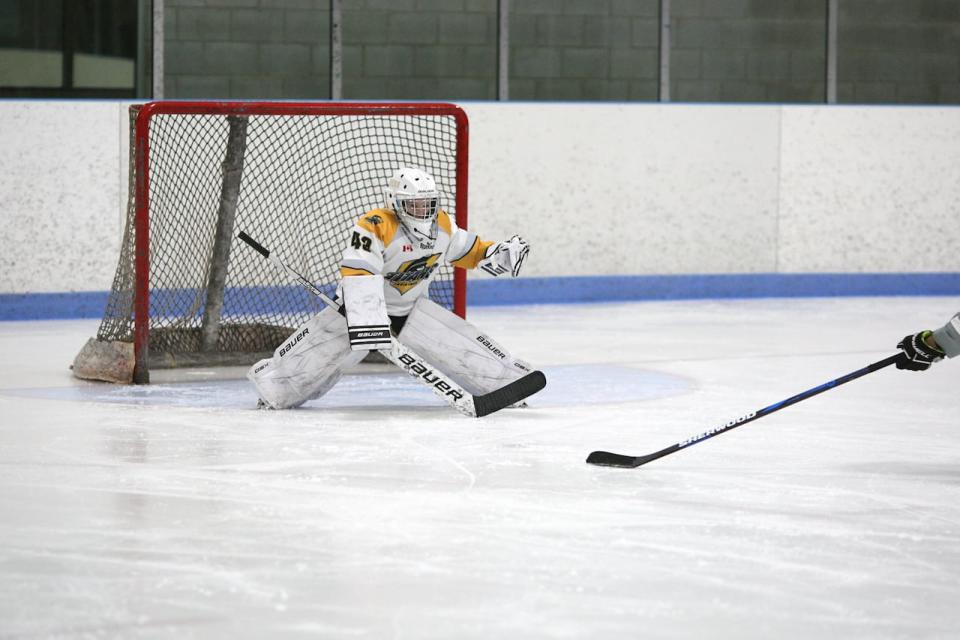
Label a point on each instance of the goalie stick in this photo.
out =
(607, 459)
(409, 361)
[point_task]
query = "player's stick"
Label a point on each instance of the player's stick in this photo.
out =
(408, 360)
(607, 459)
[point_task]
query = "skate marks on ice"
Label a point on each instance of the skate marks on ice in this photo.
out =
(567, 385)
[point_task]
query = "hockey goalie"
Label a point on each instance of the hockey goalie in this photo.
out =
(388, 263)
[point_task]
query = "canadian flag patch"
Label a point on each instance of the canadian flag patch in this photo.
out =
(408, 247)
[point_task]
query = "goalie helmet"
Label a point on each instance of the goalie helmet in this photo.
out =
(412, 194)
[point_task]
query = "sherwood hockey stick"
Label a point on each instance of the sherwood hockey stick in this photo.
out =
(607, 459)
(408, 360)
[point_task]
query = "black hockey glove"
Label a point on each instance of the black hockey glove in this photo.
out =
(916, 354)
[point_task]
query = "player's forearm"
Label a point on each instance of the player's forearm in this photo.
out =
(947, 337)
(473, 256)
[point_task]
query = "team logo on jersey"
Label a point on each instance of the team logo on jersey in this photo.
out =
(374, 219)
(412, 273)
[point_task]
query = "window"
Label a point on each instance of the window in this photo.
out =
(68, 48)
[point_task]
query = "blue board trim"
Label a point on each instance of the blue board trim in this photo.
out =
(715, 286)
(567, 289)
(52, 306)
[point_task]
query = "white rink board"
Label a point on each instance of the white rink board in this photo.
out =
(629, 189)
(62, 184)
(861, 186)
(179, 511)
(599, 189)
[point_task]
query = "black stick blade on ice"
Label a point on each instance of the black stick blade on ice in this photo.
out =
(509, 394)
(607, 459)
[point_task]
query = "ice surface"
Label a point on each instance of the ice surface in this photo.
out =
(178, 511)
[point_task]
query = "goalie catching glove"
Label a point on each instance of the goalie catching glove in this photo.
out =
(505, 257)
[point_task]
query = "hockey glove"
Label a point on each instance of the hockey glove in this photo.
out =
(505, 257)
(916, 354)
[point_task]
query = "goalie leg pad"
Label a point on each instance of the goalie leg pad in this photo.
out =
(458, 349)
(307, 364)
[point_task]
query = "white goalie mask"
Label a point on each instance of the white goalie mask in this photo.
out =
(412, 194)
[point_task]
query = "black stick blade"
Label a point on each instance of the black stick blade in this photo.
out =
(607, 459)
(509, 394)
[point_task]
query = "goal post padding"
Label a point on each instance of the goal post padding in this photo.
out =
(296, 175)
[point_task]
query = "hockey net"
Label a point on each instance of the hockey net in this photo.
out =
(295, 176)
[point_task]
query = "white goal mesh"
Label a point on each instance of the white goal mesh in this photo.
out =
(293, 176)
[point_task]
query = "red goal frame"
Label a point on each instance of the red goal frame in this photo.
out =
(141, 303)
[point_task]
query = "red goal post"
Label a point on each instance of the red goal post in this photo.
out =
(295, 175)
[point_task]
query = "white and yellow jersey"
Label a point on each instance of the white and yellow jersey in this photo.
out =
(379, 245)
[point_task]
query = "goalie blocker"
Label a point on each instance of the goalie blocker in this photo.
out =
(367, 322)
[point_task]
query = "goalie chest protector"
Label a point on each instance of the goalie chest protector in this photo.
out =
(379, 245)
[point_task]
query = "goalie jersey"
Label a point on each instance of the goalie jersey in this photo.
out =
(379, 244)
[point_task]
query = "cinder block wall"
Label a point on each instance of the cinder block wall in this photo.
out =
(420, 49)
(721, 50)
(604, 50)
(247, 49)
(907, 53)
(748, 51)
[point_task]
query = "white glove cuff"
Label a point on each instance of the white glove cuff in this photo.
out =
(948, 337)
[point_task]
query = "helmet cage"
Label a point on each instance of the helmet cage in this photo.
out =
(419, 208)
